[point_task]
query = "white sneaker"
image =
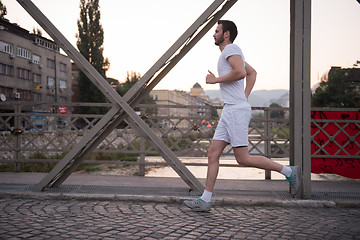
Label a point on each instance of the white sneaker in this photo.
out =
(198, 205)
(295, 180)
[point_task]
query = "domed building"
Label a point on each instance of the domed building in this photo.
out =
(197, 90)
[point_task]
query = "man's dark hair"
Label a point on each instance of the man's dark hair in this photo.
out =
(229, 26)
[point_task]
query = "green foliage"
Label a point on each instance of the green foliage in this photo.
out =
(37, 31)
(47, 166)
(6, 167)
(177, 143)
(182, 143)
(276, 113)
(28, 167)
(112, 156)
(122, 88)
(338, 91)
(131, 80)
(89, 168)
(90, 41)
(275, 149)
(280, 133)
(113, 81)
(214, 112)
(3, 10)
(257, 114)
(194, 136)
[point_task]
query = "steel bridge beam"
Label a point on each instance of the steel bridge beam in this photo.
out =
(300, 95)
(123, 107)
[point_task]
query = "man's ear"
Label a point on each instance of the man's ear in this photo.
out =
(227, 34)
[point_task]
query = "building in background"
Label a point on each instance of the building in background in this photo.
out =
(32, 68)
(193, 105)
(75, 72)
(197, 90)
(169, 97)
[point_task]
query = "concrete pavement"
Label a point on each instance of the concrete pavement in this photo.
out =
(227, 192)
(120, 207)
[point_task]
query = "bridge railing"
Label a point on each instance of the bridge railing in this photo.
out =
(29, 135)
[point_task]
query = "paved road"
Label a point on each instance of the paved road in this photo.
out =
(74, 219)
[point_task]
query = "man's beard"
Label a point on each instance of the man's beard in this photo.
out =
(219, 41)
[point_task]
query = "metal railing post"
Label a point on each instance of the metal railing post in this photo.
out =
(17, 134)
(142, 157)
(267, 147)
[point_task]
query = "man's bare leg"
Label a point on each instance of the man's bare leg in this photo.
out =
(203, 203)
(292, 174)
(215, 151)
(243, 157)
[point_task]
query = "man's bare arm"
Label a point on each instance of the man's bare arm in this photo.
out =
(250, 79)
(237, 73)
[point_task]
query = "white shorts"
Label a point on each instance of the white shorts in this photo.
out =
(233, 125)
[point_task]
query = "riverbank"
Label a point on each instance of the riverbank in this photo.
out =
(225, 172)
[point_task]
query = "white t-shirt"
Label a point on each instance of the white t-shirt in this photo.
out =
(231, 92)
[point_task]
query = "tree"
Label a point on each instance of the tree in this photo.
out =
(131, 79)
(276, 113)
(3, 10)
(90, 41)
(113, 81)
(122, 88)
(37, 31)
(213, 112)
(341, 90)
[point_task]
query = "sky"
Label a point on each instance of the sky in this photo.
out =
(138, 32)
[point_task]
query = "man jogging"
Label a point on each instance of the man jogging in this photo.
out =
(233, 125)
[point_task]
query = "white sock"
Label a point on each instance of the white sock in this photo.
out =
(206, 196)
(286, 171)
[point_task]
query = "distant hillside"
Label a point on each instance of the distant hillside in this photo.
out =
(260, 98)
(213, 94)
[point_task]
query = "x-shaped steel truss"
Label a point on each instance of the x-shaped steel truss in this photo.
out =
(123, 106)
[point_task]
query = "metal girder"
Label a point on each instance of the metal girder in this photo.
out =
(124, 106)
(300, 95)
